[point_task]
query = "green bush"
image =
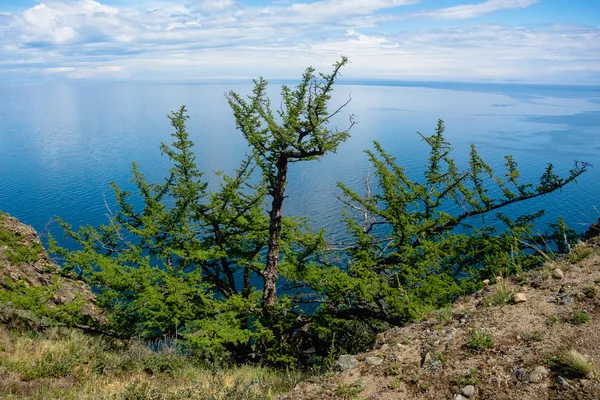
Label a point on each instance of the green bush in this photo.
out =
(580, 317)
(56, 364)
(186, 262)
(478, 341)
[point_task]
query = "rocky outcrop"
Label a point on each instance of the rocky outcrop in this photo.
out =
(24, 260)
(539, 344)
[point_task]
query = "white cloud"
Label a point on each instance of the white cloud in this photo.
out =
(223, 38)
(89, 72)
(468, 11)
(216, 5)
(59, 70)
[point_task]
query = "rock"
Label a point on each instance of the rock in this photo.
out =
(566, 300)
(521, 374)
(459, 397)
(385, 346)
(563, 382)
(468, 391)
(557, 273)
(374, 360)
(41, 272)
(345, 362)
(538, 374)
(434, 365)
(486, 282)
(519, 298)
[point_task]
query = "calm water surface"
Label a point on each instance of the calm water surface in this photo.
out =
(61, 144)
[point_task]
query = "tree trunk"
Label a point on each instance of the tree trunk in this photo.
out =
(246, 290)
(271, 272)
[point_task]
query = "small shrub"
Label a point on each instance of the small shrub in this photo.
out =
(444, 315)
(52, 365)
(161, 363)
(501, 294)
(551, 321)
(396, 384)
(20, 255)
(349, 391)
(580, 317)
(408, 339)
(572, 363)
(111, 363)
(478, 341)
(579, 253)
(590, 292)
(137, 391)
(393, 370)
(533, 336)
(425, 386)
(470, 378)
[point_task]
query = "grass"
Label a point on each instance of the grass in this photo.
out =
(67, 364)
(349, 391)
(573, 364)
(478, 342)
(533, 336)
(590, 292)
(16, 252)
(501, 294)
(444, 316)
(579, 253)
(551, 321)
(580, 317)
(471, 377)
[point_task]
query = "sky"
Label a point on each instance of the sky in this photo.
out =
(520, 41)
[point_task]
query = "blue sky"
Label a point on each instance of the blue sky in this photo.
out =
(530, 41)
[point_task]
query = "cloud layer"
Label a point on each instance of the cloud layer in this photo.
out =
(205, 39)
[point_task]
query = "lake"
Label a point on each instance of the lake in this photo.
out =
(61, 144)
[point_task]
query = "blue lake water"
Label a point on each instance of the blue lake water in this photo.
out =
(61, 144)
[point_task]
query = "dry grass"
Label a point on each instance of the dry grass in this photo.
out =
(66, 364)
(576, 364)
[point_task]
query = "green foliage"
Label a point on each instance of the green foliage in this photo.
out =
(579, 253)
(533, 336)
(22, 305)
(478, 342)
(590, 292)
(471, 377)
(419, 243)
(580, 317)
(444, 315)
(297, 131)
(16, 252)
(396, 384)
(184, 265)
(501, 294)
(572, 364)
(348, 391)
(170, 267)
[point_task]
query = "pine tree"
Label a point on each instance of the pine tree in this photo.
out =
(299, 131)
(418, 244)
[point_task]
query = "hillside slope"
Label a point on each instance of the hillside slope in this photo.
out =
(25, 264)
(531, 337)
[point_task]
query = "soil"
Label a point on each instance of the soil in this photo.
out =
(436, 358)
